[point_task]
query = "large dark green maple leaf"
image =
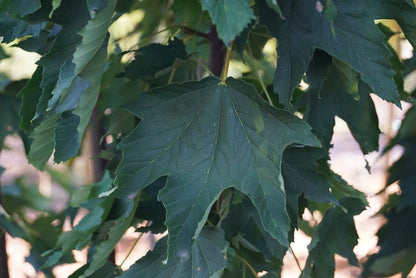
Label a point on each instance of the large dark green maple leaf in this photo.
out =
(208, 136)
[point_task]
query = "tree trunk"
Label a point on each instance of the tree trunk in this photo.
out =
(4, 268)
(97, 132)
(216, 52)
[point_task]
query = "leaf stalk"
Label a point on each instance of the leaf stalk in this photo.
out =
(132, 248)
(247, 264)
(296, 258)
(224, 73)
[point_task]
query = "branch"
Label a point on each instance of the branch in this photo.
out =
(188, 30)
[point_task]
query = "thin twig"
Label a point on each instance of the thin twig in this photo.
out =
(263, 86)
(204, 66)
(188, 30)
(172, 74)
(4, 268)
(296, 258)
(218, 205)
(149, 38)
(132, 248)
(248, 266)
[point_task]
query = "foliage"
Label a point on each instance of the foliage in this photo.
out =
(226, 165)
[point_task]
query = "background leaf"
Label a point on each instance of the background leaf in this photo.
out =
(230, 17)
(81, 234)
(19, 7)
(153, 58)
(397, 246)
(336, 234)
(304, 30)
(329, 97)
(117, 228)
(207, 258)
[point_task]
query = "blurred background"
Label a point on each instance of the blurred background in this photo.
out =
(38, 198)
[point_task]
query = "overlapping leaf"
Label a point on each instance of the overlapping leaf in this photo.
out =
(336, 234)
(40, 43)
(253, 38)
(330, 96)
(273, 5)
(66, 137)
(19, 7)
(154, 11)
(206, 259)
(151, 209)
(351, 37)
(395, 62)
(227, 135)
(117, 227)
(79, 103)
(230, 16)
(62, 49)
(44, 236)
(404, 12)
(70, 81)
(109, 270)
(81, 234)
(153, 58)
(7, 223)
(96, 6)
(3, 55)
(93, 35)
(43, 142)
(9, 110)
(190, 12)
(243, 227)
(30, 95)
(402, 170)
(339, 187)
(247, 262)
(301, 177)
(12, 28)
(73, 17)
(20, 196)
(397, 246)
(93, 73)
